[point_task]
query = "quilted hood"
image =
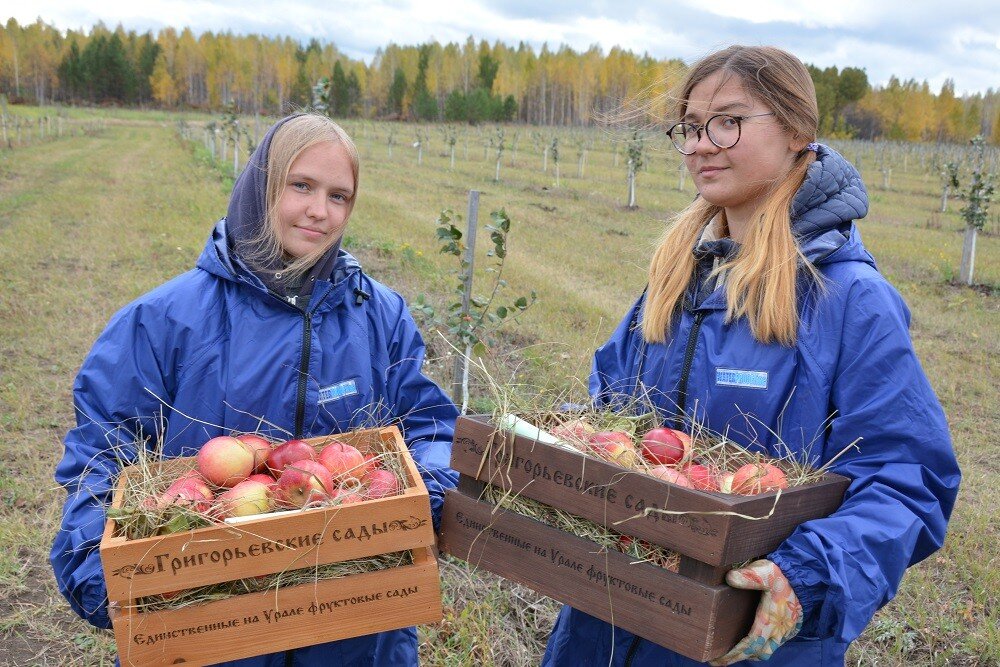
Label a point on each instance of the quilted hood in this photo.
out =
(831, 198)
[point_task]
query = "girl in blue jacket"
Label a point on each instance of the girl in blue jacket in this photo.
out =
(275, 322)
(766, 318)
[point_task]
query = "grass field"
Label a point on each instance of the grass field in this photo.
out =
(89, 221)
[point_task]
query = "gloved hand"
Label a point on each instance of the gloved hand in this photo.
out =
(779, 614)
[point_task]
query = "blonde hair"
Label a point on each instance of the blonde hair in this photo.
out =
(289, 141)
(761, 279)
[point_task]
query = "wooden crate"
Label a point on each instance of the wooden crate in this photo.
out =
(274, 543)
(742, 527)
(710, 531)
(281, 619)
(277, 542)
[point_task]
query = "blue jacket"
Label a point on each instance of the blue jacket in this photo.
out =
(852, 373)
(214, 351)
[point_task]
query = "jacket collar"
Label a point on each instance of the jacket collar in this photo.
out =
(218, 259)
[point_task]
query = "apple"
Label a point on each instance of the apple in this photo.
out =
(169, 595)
(373, 462)
(345, 497)
(248, 497)
(343, 461)
(672, 475)
(303, 482)
(614, 446)
(382, 483)
(191, 478)
(261, 449)
(187, 492)
(626, 543)
(574, 431)
(666, 446)
(225, 461)
(705, 478)
(287, 452)
(754, 478)
(263, 478)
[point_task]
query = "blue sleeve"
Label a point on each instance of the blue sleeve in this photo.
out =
(904, 475)
(613, 374)
(113, 413)
(426, 413)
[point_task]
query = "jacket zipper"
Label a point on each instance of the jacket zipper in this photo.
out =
(633, 647)
(692, 343)
(300, 402)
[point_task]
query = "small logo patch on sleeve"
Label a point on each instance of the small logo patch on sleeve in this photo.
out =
(735, 377)
(337, 391)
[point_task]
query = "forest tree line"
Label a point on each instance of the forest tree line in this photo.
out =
(472, 81)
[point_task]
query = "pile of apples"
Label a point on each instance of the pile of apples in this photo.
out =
(670, 457)
(246, 474)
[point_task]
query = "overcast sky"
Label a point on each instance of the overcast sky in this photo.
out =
(915, 39)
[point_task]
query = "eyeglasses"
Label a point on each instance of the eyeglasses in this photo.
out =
(723, 130)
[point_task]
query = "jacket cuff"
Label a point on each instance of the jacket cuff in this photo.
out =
(808, 589)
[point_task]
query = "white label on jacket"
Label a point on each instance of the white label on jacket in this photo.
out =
(735, 377)
(337, 391)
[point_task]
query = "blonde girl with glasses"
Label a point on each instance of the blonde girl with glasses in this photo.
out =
(765, 317)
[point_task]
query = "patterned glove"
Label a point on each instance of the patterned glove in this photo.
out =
(779, 614)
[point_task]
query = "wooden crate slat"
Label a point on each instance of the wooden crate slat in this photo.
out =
(258, 623)
(698, 620)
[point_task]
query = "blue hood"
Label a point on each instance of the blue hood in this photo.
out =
(832, 196)
(245, 219)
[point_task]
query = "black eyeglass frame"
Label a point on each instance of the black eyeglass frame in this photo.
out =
(698, 130)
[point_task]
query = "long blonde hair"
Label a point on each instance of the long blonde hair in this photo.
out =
(762, 277)
(289, 141)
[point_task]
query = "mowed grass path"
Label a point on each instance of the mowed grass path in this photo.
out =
(87, 223)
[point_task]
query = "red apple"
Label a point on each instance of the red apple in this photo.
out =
(382, 483)
(287, 452)
(614, 446)
(672, 475)
(754, 478)
(169, 595)
(373, 462)
(247, 497)
(666, 446)
(345, 497)
(303, 482)
(343, 461)
(261, 449)
(192, 477)
(225, 461)
(705, 478)
(574, 431)
(263, 478)
(187, 492)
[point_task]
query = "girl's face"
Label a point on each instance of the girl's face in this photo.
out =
(315, 201)
(739, 177)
